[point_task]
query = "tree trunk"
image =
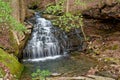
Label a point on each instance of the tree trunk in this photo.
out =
(67, 6)
(55, 1)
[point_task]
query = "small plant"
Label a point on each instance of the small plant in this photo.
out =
(40, 74)
(68, 21)
(55, 9)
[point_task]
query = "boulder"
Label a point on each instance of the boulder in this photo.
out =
(10, 66)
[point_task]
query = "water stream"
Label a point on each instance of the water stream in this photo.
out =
(66, 66)
(45, 45)
(46, 42)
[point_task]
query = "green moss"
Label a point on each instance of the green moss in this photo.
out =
(13, 43)
(112, 60)
(12, 63)
(115, 47)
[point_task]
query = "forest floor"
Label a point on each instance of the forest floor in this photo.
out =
(104, 45)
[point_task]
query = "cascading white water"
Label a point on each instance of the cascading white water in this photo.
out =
(43, 43)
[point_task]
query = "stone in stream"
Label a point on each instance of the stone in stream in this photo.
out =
(56, 74)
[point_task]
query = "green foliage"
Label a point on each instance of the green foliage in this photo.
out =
(40, 74)
(55, 9)
(69, 21)
(5, 11)
(16, 25)
(66, 21)
(5, 16)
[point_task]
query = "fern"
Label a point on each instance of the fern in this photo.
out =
(40, 74)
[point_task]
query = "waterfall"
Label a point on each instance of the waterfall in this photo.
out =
(44, 43)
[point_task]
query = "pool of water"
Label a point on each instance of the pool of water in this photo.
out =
(72, 65)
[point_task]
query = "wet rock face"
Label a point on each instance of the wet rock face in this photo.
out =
(102, 17)
(104, 10)
(37, 4)
(76, 40)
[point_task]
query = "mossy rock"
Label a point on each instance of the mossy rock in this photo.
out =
(11, 63)
(8, 42)
(13, 44)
